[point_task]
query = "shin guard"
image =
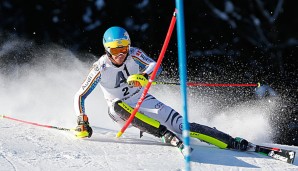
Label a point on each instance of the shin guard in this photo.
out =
(210, 135)
(141, 121)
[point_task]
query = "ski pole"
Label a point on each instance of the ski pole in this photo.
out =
(183, 78)
(193, 84)
(37, 124)
(161, 55)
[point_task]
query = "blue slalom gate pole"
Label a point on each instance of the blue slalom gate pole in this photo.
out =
(183, 78)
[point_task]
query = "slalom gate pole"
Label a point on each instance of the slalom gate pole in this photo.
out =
(37, 124)
(160, 58)
(193, 84)
(183, 78)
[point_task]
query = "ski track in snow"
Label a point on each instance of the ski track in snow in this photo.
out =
(25, 147)
(6, 164)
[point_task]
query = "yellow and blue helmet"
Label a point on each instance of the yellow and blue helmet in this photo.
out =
(115, 37)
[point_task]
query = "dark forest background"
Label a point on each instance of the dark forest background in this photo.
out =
(227, 41)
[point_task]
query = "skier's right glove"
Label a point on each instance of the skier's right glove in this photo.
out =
(83, 129)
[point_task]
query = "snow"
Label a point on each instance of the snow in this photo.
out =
(43, 93)
(25, 147)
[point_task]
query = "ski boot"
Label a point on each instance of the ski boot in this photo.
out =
(170, 138)
(238, 144)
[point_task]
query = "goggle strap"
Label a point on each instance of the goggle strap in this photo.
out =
(108, 53)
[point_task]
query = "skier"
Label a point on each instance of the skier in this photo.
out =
(121, 73)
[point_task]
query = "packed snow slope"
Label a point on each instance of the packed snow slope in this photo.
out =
(43, 91)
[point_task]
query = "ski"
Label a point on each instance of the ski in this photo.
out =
(273, 152)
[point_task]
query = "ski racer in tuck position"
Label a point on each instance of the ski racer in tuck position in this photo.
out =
(122, 72)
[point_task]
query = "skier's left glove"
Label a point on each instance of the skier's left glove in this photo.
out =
(83, 129)
(137, 80)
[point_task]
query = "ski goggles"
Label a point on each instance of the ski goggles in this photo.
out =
(117, 50)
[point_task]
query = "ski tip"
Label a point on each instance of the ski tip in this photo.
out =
(277, 153)
(1, 116)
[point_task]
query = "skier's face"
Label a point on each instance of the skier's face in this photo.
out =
(119, 54)
(119, 58)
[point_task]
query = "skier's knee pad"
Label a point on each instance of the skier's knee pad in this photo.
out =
(210, 135)
(141, 121)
